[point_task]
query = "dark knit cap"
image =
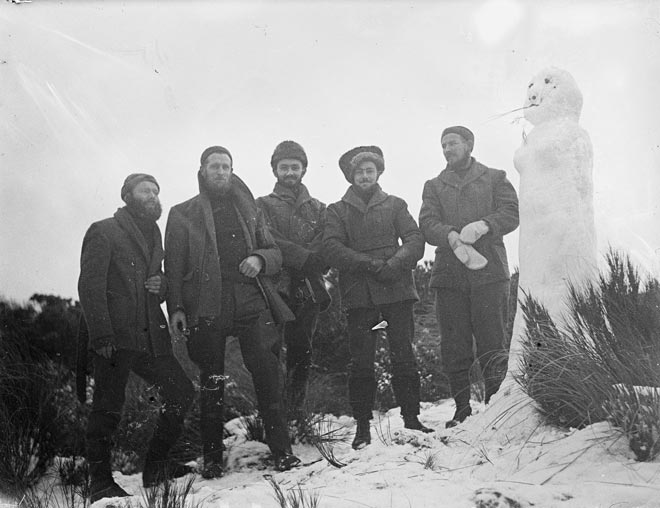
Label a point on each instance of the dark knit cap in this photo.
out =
(346, 160)
(288, 150)
(214, 149)
(132, 180)
(463, 132)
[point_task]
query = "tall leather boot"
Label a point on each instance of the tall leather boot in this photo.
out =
(493, 374)
(361, 395)
(212, 426)
(102, 484)
(459, 383)
(277, 437)
(362, 434)
(158, 468)
(406, 390)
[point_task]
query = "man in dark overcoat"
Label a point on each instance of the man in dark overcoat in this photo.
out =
(219, 257)
(375, 243)
(466, 211)
(297, 221)
(121, 287)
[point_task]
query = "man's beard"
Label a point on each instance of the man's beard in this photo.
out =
(290, 182)
(216, 187)
(459, 163)
(367, 192)
(148, 210)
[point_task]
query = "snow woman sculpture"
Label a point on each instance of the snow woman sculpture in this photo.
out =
(557, 232)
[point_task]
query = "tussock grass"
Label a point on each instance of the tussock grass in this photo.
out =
(587, 371)
(296, 497)
(255, 430)
(326, 436)
(29, 416)
(170, 494)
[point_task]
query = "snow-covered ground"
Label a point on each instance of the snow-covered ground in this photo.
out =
(472, 465)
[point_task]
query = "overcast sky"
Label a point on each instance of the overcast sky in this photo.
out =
(93, 91)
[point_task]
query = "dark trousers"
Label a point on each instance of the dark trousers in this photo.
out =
(110, 378)
(260, 343)
(362, 346)
(467, 312)
(298, 336)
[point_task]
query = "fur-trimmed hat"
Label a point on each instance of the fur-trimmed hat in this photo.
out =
(288, 150)
(133, 179)
(214, 149)
(355, 156)
(463, 132)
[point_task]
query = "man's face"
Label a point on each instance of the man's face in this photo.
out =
(456, 150)
(365, 175)
(144, 199)
(216, 172)
(289, 172)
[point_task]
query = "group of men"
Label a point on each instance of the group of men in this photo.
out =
(254, 269)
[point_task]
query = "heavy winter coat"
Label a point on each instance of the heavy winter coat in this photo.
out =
(297, 223)
(118, 309)
(191, 255)
(357, 233)
(450, 202)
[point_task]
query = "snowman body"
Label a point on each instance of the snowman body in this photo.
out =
(557, 244)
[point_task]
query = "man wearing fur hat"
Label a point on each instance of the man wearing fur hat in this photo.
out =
(121, 287)
(466, 211)
(375, 243)
(297, 220)
(219, 257)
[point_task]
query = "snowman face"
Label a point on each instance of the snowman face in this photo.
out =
(552, 94)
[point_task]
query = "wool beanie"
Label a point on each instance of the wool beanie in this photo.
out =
(349, 161)
(463, 132)
(288, 150)
(214, 149)
(132, 180)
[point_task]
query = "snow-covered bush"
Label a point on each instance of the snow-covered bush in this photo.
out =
(612, 338)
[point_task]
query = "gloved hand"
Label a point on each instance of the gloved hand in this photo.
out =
(372, 266)
(473, 231)
(315, 264)
(466, 254)
(388, 273)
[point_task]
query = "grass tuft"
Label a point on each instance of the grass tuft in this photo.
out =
(592, 368)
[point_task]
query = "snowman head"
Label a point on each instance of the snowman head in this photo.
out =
(552, 94)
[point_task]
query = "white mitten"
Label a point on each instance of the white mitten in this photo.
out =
(470, 257)
(466, 254)
(473, 231)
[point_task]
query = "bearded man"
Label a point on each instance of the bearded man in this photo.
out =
(466, 211)
(375, 243)
(121, 287)
(219, 256)
(296, 221)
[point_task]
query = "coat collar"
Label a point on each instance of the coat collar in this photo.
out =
(154, 259)
(351, 197)
(242, 199)
(475, 170)
(287, 195)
